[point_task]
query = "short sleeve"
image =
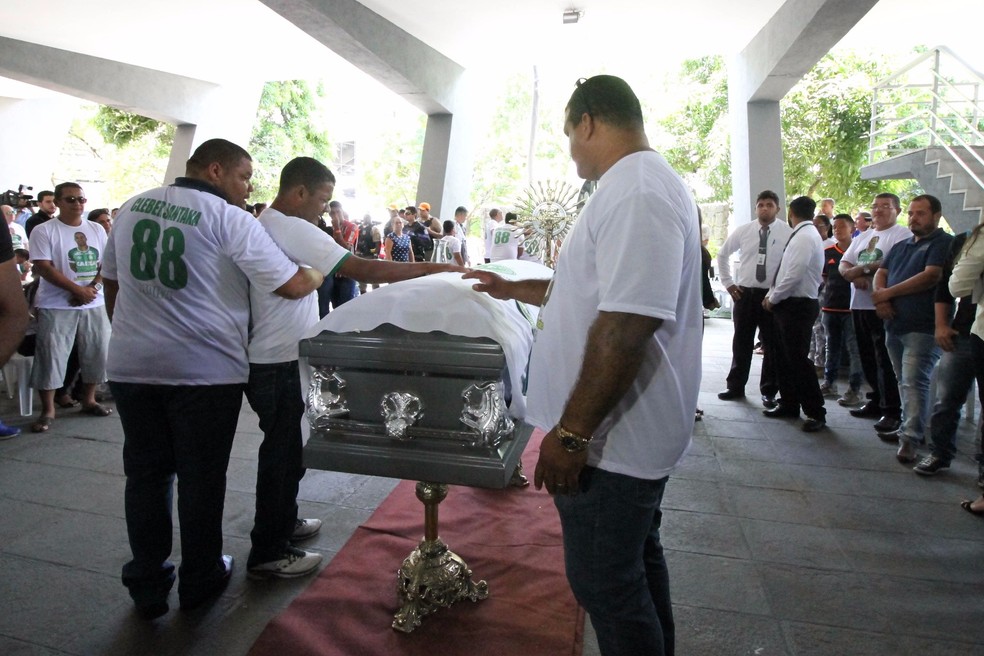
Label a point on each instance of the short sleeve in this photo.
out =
(637, 231)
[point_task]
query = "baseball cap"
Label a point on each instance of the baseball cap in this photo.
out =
(425, 206)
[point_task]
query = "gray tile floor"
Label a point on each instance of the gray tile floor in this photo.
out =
(778, 542)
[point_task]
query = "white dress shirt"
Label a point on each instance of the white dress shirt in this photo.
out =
(800, 267)
(745, 241)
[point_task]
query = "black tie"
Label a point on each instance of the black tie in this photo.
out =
(760, 267)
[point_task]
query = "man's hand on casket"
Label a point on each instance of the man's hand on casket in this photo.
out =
(527, 291)
(558, 469)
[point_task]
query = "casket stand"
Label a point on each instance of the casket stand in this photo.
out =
(429, 407)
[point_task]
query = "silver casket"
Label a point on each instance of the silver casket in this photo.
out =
(418, 406)
(401, 390)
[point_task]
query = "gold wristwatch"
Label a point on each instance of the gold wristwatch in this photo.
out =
(572, 442)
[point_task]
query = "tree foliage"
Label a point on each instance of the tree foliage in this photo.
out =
(695, 139)
(121, 129)
(825, 125)
(289, 123)
(826, 121)
(392, 175)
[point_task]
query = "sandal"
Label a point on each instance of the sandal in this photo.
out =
(66, 402)
(966, 506)
(42, 424)
(96, 410)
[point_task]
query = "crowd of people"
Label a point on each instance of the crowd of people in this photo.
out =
(186, 302)
(896, 299)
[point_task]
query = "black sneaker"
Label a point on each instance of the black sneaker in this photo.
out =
(930, 465)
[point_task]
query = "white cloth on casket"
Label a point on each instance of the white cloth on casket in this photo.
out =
(446, 303)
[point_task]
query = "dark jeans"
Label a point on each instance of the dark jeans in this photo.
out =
(615, 562)
(187, 432)
(345, 290)
(274, 393)
(877, 366)
(955, 374)
(798, 383)
(324, 296)
(749, 316)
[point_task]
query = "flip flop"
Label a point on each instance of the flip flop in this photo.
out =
(96, 410)
(966, 506)
(70, 403)
(42, 424)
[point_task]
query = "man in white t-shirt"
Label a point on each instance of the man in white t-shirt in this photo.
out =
(507, 240)
(615, 369)
(18, 236)
(493, 222)
(179, 266)
(858, 266)
(274, 388)
(448, 248)
(460, 219)
(67, 253)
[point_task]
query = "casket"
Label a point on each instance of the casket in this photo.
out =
(418, 406)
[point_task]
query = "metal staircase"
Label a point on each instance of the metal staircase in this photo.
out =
(927, 123)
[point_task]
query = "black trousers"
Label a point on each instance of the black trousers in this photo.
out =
(749, 316)
(877, 366)
(798, 384)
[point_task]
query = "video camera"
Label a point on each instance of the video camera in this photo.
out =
(18, 198)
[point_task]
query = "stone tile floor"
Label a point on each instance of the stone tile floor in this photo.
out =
(778, 542)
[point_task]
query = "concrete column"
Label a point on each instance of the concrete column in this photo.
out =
(413, 70)
(224, 112)
(203, 110)
(181, 149)
(797, 36)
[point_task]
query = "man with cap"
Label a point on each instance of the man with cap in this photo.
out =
(434, 226)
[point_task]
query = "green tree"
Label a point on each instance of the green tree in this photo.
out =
(502, 166)
(695, 138)
(289, 123)
(826, 121)
(121, 129)
(391, 176)
(825, 125)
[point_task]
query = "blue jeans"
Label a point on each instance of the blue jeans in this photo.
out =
(957, 371)
(840, 335)
(615, 563)
(324, 296)
(913, 357)
(274, 393)
(185, 432)
(344, 290)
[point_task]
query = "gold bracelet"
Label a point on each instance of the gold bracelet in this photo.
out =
(572, 442)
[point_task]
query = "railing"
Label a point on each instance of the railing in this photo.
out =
(937, 101)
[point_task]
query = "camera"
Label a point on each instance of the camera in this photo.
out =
(18, 198)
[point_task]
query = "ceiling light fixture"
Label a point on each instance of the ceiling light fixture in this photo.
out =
(572, 16)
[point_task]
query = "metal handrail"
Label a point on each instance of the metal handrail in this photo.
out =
(941, 102)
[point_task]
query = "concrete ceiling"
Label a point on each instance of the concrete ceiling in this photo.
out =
(227, 41)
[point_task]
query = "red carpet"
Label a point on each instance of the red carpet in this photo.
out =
(510, 538)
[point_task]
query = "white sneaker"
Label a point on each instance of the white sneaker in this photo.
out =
(294, 562)
(851, 397)
(828, 389)
(305, 528)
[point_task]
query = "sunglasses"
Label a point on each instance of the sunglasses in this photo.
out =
(74, 199)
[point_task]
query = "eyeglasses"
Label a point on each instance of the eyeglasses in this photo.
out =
(74, 199)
